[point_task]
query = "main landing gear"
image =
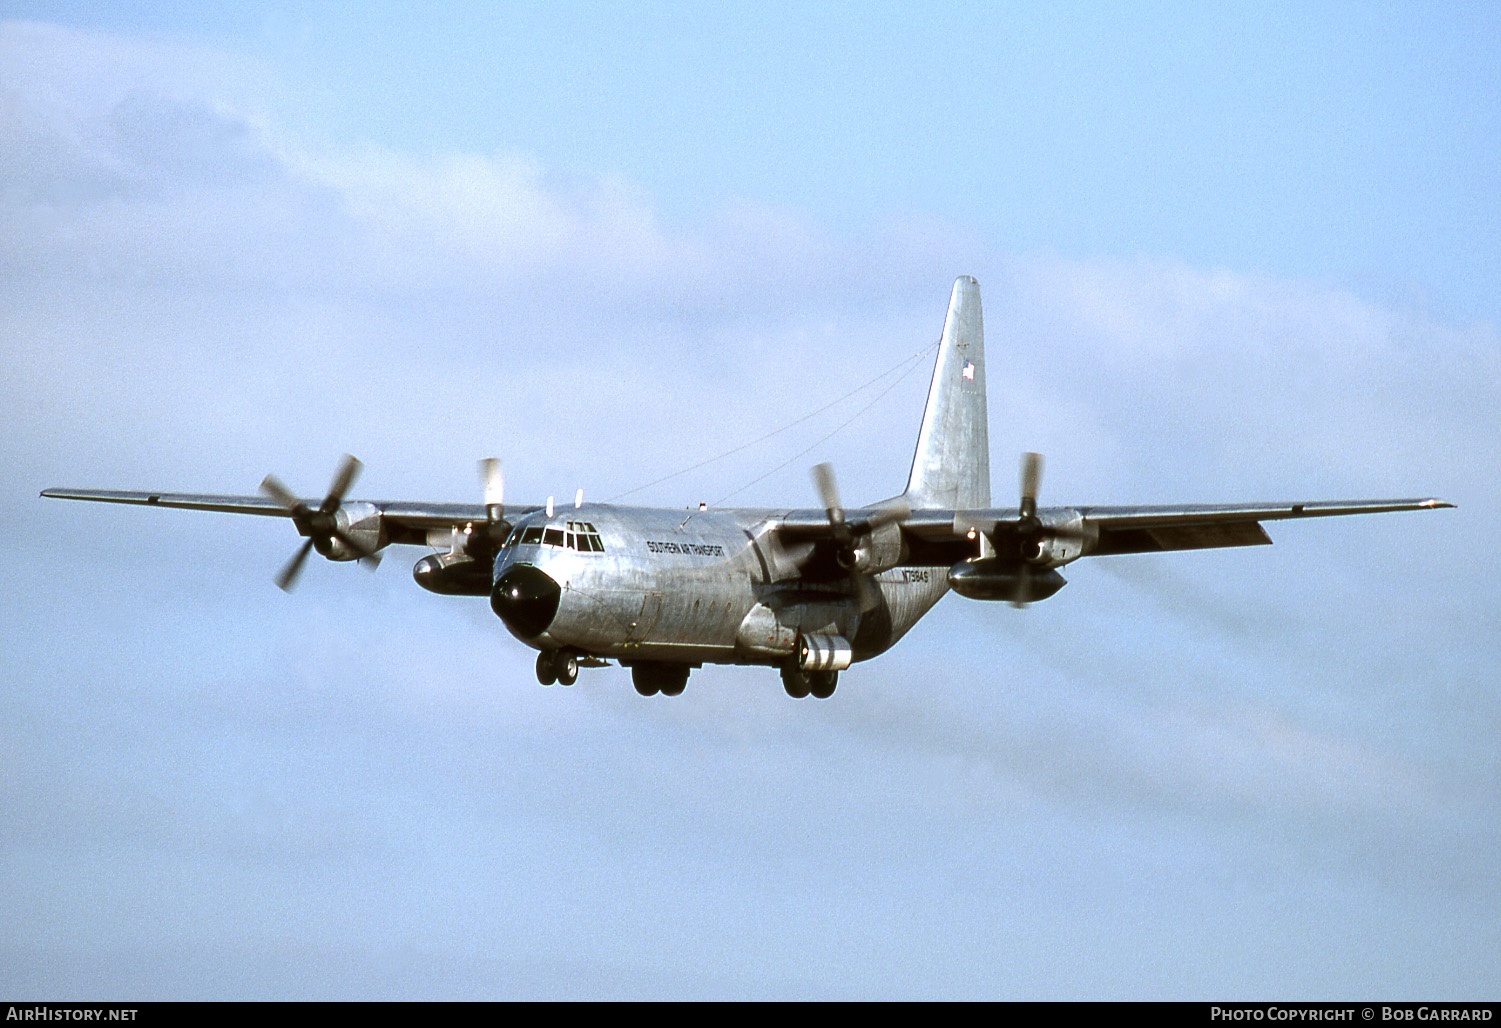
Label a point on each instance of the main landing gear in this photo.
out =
(655, 677)
(561, 666)
(801, 684)
(651, 678)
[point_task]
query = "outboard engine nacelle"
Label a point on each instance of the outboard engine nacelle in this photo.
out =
(1058, 541)
(824, 653)
(359, 522)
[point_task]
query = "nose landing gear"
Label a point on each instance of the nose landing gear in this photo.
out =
(561, 666)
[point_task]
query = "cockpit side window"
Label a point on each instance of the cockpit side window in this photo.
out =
(531, 536)
(553, 537)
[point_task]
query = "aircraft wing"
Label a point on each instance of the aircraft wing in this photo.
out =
(812, 525)
(182, 501)
(1149, 529)
(404, 522)
(1205, 526)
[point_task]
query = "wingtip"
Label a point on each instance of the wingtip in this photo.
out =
(1435, 504)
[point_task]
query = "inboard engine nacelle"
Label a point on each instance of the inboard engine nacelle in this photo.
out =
(453, 574)
(878, 550)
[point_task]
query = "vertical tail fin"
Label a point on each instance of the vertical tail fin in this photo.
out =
(952, 465)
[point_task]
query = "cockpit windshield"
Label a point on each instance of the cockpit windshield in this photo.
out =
(577, 535)
(583, 537)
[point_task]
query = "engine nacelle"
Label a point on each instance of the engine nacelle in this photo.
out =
(990, 579)
(360, 522)
(824, 653)
(1054, 551)
(877, 551)
(453, 574)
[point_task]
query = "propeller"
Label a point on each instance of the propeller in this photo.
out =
(828, 490)
(1029, 527)
(480, 539)
(495, 486)
(319, 524)
(1031, 479)
(847, 538)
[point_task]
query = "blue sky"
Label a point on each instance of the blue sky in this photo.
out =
(1225, 254)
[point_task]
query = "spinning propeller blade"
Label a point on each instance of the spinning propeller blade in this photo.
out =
(828, 491)
(272, 487)
(286, 578)
(494, 484)
(1031, 478)
(343, 479)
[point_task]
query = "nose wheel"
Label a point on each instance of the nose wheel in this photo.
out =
(561, 666)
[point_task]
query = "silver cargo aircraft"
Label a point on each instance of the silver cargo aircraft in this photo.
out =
(807, 591)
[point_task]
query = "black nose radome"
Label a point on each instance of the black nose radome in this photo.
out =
(526, 599)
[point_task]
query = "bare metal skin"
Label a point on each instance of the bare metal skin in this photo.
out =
(809, 591)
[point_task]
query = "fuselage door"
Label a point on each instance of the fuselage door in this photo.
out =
(651, 609)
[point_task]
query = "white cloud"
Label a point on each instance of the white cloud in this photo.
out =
(129, 171)
(1250, 383)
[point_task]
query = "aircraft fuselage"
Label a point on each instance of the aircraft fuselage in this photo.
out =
(687, 587)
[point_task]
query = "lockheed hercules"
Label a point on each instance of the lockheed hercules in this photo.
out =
(808, 591)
